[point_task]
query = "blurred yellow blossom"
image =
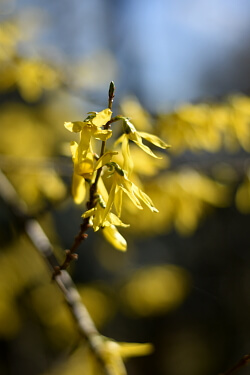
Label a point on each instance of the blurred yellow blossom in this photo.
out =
(155, 290)
(208, 126)
(33, 76)
(27, 144)
(184, 198)
(144, 165)
(131, 107)
(243, 195)
(98, 302)
(10, 35)
(30, 77)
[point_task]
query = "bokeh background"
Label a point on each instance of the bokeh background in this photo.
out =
(181, 69)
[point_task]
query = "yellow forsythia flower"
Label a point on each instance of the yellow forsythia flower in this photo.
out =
(121, 184)
(130, 133)
(82, 153)
(243, 195)
(87, 166)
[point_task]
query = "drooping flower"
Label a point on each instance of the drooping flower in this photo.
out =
(100, 219)
(121, 184)
(86, 163)
(131, 134)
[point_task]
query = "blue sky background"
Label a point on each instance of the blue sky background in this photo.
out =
(167, 51)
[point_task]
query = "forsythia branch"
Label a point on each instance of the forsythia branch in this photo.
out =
(106, 178)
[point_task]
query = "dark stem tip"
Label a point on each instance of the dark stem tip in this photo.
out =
(111, 90)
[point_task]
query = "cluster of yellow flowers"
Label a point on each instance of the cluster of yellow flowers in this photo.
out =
(187, 193)
(185, 197)
(28, 74)
(209, 126)
(89, 171)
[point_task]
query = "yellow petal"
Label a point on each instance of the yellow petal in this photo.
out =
(137, 139)
(102, 190)
(146, 149)
(243, 197)
(128, 127)
(128, 350)
(110, 200)
(89, 213)
(113, 219)
(103, 135)
(99, 217)
(128, 187)
(128, 161)
(112, 358)
(154, 139)
(145, 198)
(86, 166)
(104, 159)
(78, 188)
(132, 197)
(73, 149)
(102, 117)
(120, 139)
(115, 238)
(75, 126)
(118, 202)
(84, 158)
(85, 143)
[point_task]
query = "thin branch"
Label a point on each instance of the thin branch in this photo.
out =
(39, 239)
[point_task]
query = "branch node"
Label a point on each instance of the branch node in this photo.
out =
(57, 271)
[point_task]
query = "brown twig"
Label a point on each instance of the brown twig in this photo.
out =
(39, 239)
(82, 235)
(244, 361)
